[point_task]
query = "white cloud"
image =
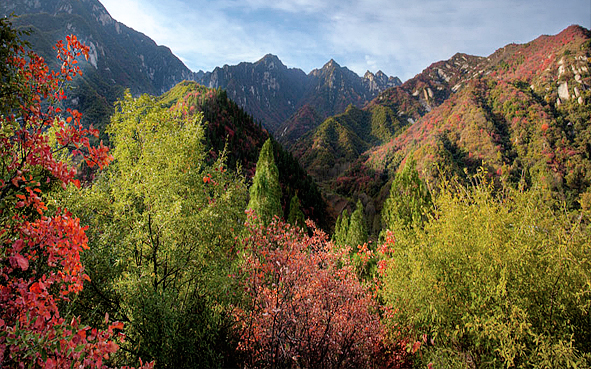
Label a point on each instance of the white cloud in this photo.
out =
(401, 37)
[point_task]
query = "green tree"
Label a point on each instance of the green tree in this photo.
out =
(296, 216)
(265, 192)
(409, 201)
(163, 230)
(357, 232)
(493, 281)
(341, 228)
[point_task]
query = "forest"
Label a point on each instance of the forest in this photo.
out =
(161, 250)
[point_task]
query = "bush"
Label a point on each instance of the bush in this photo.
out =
(307, 309)
(494, 281)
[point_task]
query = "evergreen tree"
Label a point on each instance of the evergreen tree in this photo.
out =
(409, 200)
(296, 216)
(265, 192)
(357, 232)
(341, 228)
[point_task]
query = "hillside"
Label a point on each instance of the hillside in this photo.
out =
(120, 57)
(522, 113)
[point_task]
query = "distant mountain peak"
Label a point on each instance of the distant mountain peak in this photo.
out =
(271, 61)
(331, 64)
(270, 58)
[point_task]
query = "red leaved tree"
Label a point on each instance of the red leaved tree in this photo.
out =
(40, 264)
(307, 309)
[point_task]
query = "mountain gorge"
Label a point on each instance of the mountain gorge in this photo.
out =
(450, 215)
(522, 113)
(277, 95)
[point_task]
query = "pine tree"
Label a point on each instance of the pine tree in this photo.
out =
(357, 232)
(409, 200)
(341, 228)
(265, 192)
(296, 216)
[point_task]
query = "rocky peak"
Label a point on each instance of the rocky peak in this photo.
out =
(369, 76)
(379, 82)
(331, 64)
(271, 61)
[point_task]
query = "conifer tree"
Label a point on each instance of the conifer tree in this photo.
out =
(265, 192)
(296, 216)
(341, 228)
(357, 232)
(409, 199)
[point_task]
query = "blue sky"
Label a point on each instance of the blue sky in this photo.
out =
(399, 37)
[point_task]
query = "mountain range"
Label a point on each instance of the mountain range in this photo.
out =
(522, 113)
(122, 58)
(274, 93)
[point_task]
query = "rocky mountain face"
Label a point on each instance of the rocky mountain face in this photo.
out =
(275, 94)
(521, 113)
(267, 89)
(120, 57)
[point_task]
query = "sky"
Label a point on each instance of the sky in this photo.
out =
(398, 37)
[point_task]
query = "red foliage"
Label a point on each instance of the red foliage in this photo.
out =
(308, 309)
(40, 256)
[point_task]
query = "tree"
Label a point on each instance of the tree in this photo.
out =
(40, 269)
(351, 231)
(493, 281)
(164, 229)
(296, 216)
(265, 192)
(357, 232)
(341, 228)
(409, 201)
(306, 307)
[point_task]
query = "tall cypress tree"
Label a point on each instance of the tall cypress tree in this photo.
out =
(409, 200)
(357, 232)
(265, 192)
(296, 216)
(341, 228)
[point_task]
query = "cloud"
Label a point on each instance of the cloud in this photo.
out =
(400, 37)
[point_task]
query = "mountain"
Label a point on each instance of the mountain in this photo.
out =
(327, 151)
(230, 128)
(274, 94)
(267, 89)
(522, 113)
(120, 57)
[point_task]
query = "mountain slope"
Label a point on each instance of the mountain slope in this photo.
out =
(523, 113)
(119, 57)
(274, 94)
(527, 109)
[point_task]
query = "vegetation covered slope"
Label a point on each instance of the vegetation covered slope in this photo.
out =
(119, 57)
(522, 112)
(525, 115)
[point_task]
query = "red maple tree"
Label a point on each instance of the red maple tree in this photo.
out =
(40, 266)
(307, 308)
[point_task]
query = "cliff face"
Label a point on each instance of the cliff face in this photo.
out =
(120, 57)
(274, 94)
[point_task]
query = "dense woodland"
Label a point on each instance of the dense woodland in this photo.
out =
(194, 240)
